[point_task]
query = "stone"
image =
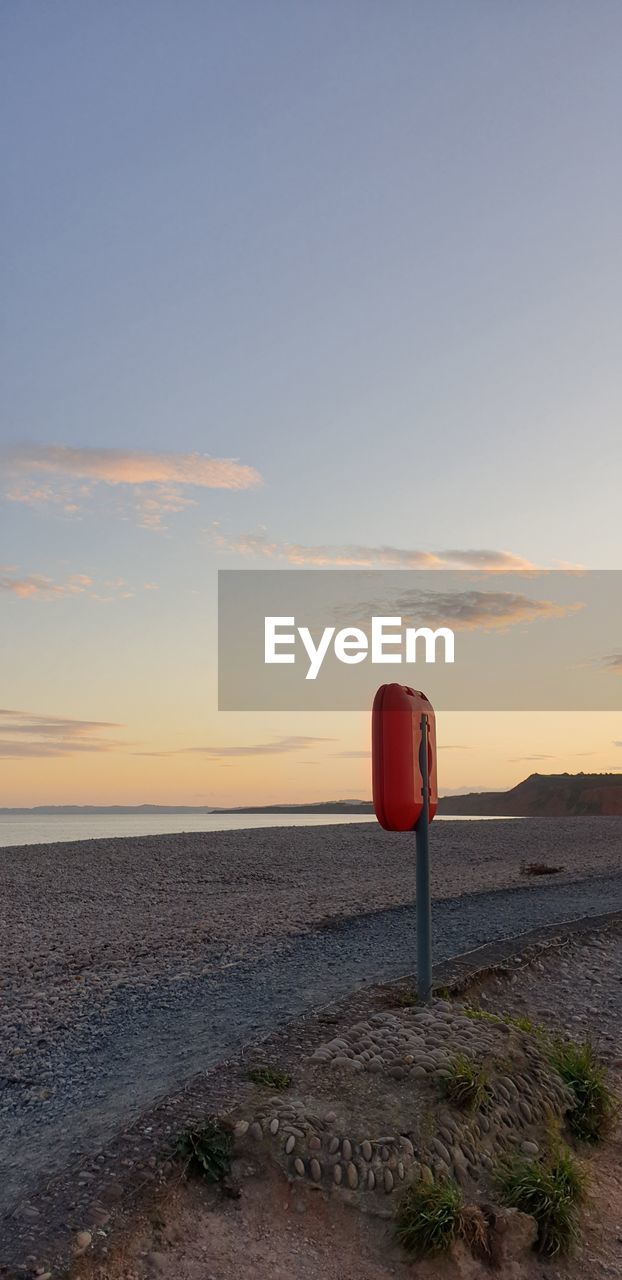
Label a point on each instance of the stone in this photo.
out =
(346, 1149)
(529, 1148)
(524, 1110)
(512, 1236)
(366, 1149)
(315, 1143)
(371, 1180)
(299, 1166)
(315, 1169)
(274, 1126)
(337, 1174)
(352, 1176)
(440, 1149)
(290, 1144)
(255, 1130)
(83, 1240)
(333, 1146)
(388, 1181)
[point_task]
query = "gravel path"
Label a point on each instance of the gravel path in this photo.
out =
(133, 966)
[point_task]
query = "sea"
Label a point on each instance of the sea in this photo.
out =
(45, 828)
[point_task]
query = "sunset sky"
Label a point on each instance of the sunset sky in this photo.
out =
(292, 285)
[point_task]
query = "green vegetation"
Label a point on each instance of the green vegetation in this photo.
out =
(518, 1020)
(271, 1077)
(481, 1015)
(550, 1189)
(406, 998)
(441, 993)
(467, 1084)
(432, 1214)
(428, 1217)
(594, 1105)
(207, 1150)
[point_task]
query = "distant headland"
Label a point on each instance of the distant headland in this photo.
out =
(552, 795)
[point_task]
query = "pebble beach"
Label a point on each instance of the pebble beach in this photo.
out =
(79, 919)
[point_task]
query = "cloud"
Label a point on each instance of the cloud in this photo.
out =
(25, 734)
(612, 662)
(280, 746)
(518, 759)
(350, 755)
(352, 555)
(156, 484)
(474, 609)
(38, 586)
(126, 466)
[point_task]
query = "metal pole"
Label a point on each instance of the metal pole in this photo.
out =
(424, 911)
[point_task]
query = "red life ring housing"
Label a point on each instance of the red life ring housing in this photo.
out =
(396, 738)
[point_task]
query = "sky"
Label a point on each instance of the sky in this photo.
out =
(304, 284)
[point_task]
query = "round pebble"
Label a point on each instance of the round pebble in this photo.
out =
(352, 1176)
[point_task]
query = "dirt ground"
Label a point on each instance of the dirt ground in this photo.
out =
(282, 1231)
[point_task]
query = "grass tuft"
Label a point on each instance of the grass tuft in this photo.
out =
(594, 1105)
(441, 993)
(549, 1188)
(428, 1218)
(207, 1150)
(467, 1084)
(474, 1228)
(271, 1077)
(400, 998)
(518, 1020)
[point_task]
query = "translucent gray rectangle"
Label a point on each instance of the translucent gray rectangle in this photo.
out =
(532, 640)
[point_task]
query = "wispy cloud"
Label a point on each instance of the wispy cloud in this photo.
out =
(156, 484)
(483, 610)
(25, 734)
(612, 662)
(39, 586)
(355, 556)
(279, 746)
(518, 759)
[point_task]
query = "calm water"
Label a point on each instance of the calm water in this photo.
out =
(46, 828)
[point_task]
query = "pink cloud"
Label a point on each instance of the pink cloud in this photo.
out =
(126, 466)
(355, 556)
